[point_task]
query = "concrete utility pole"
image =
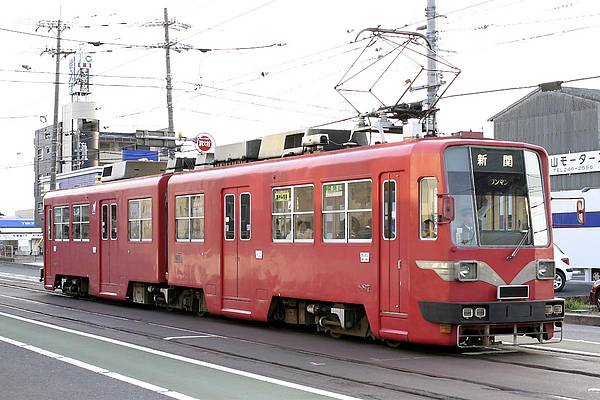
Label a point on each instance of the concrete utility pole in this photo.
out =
(59, 26)
(432, 75)
(168, 62)
(167, 45)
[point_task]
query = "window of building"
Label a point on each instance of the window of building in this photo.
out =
(81, 222)
(40, 154)
(245, 227)
(189, 218)
(428, 208)
(293, 214)
(47, 149)
(347, 201)
(140, 220)
(389, 210)
(61, 223)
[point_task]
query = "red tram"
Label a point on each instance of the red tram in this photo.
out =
(440, 241)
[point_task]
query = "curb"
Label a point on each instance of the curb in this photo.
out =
(582, 319)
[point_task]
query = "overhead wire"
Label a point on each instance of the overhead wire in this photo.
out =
(195, 34)
(519, 23)
(516, 87)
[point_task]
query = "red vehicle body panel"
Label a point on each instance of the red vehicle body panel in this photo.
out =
(236, 281)
(129, 261)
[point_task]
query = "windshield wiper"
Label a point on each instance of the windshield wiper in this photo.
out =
(519, 245)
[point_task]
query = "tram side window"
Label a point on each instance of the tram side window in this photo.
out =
(140, 220)
(113, 222)
(49, 224)
(389, 210)
(360, 216)
(81, 223)
(61, 223)
(245, 227)
(189, 218)
(347, 201)
(303, 213)
(104, 222)
(293, 214)
(229, 217)
(428, 208)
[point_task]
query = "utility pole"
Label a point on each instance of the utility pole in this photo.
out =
(168, 62)
(59, 26)
(432, 74)
(167, 45)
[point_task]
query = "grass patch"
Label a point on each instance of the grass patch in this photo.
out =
(577, 303)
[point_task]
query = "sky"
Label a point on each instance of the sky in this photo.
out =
(287, 83)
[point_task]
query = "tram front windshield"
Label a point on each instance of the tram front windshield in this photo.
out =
(498, 196)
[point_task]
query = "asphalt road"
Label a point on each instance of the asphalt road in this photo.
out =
(575, 289)
(54, 347)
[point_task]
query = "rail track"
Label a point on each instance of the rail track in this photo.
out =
(80, 307)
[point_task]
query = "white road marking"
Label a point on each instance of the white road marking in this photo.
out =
(191, 337)
(19, 277)
(566, 351)
(316, 363)
(188, 360)
(562, 397)
(485, 352)
(397, 358)
(594, 390)
(184, 330)
(20, 282)
(580, 341)
(62, 307)
(99, 370)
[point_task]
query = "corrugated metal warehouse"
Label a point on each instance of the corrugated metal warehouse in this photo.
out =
(566, 122)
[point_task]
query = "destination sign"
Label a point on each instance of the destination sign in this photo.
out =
(497, 160)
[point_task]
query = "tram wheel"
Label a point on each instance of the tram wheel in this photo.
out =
(392, 344)
(335, 335)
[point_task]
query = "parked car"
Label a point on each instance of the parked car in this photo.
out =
(564, 272)
(595, 294)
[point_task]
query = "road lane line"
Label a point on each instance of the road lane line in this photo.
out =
(183, 329)
(580, 341)
(188, 360)
(98, 370)
(64, 307)
(566, 351)
(191, 337)
(19, 277)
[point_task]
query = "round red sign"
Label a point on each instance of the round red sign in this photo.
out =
(203, 143)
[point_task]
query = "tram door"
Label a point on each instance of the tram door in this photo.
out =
(394, 274)
(108, 245)
(237, 233)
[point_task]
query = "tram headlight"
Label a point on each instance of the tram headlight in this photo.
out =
(467, 271)
(480, 312)
(545, 269)
(551, 309)
(557, 309)
(467, 312)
